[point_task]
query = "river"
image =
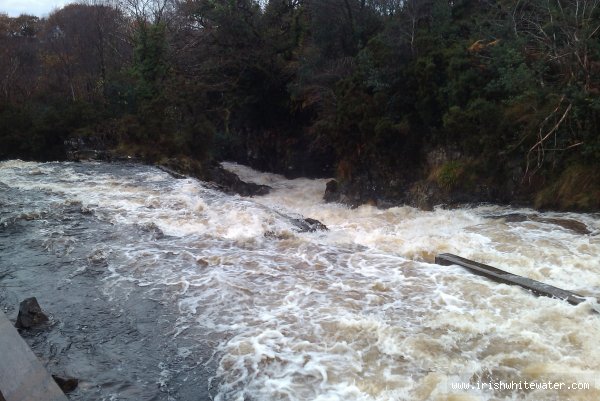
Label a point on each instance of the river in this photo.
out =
(166, 289)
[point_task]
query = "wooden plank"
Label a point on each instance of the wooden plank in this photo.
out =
(501, 276)
(22, 376)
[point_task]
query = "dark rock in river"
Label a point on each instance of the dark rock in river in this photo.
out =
(152, 229)
(201, 262)
(224, 180)
(569, 224)
(332, 192)
(172, 173)
(515, 217)
(230, 183)
(575, 226)
(30, 314)
(309, 225)
(66, 384)
(182, 167)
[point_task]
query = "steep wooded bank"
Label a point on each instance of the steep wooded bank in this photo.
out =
(412, 101)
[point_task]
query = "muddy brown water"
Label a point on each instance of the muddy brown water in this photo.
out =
(164, 289)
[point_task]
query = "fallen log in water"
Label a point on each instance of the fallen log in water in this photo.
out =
(22, 376)
(538, 288)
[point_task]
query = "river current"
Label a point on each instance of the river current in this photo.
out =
(167, 289)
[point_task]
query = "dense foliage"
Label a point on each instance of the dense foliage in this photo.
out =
(497, 99)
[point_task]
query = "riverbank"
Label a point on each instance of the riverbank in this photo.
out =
(452, 183)
(445, 178)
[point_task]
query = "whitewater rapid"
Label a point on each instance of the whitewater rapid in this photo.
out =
(357, 312)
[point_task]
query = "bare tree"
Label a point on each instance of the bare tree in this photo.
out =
(563, 34)
(149, 11)
(19, 53)
(83, 42)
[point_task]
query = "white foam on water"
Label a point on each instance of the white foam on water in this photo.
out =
(537, 249)
(177, 207)
(358, 312)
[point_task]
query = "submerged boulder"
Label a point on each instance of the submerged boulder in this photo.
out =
(30, 314)
(575, 226)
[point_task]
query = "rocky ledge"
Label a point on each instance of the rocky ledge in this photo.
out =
(222, 179)
(230, 183)
(450, 178)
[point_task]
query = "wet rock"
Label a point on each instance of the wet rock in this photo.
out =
(569, 224)
(66, 384)
(515, 217)
(157, 233)
(279, 235)
(182, 167)
(153, 229)
(231, 184)
(510, 217)
(315, 225)
(573, 225)
(86, 210)
(98, 257)
(171, 172)
(309, 225)
(332, 192)
(30, 314)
